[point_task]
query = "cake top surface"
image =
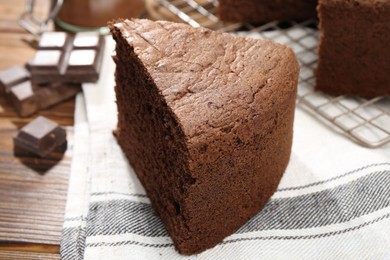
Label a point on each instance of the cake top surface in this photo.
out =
(210, 80)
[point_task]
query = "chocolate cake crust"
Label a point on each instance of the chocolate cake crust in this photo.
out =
(258, 11)
(205, 119)
(354, 53)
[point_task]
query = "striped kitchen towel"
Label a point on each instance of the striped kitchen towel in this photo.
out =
(332, 203)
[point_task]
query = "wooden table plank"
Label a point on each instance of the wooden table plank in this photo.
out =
(32, 201)
(9, 253)
(12, 255)
(32, 191)
(15, 49)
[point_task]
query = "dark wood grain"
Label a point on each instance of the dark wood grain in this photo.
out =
(32, 190)
(6, 254)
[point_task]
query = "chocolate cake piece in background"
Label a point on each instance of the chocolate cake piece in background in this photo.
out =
(259, 11)
(205, 119)
(354, 52)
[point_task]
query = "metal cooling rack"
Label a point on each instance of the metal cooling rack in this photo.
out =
(365, 121)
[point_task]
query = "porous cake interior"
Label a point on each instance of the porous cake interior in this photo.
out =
(151, 138)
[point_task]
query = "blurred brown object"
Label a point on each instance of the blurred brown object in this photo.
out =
(94, 14)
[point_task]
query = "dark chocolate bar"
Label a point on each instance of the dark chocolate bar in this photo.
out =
(62, 57)
(41, 136)
(11, 77)
(27, 98)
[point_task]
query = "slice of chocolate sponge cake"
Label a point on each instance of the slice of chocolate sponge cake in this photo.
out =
(354, 50)
(205, 119)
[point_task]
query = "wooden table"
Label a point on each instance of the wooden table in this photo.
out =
(32, 191)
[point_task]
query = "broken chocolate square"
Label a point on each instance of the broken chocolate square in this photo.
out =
(41, 136)
(27, 98)
(23, 99)
(12, 76)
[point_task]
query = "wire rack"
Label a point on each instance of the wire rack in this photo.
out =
(365, 121)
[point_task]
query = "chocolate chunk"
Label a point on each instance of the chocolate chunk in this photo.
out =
(41, 136)
(23, 99)
(86, 40)
(27, 98)
(12, 76)
(39, 164)
(53, 40)
(49, 60)
(65, 58)
(49, 95)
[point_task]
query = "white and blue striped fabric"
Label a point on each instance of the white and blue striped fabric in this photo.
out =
(332, 203)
